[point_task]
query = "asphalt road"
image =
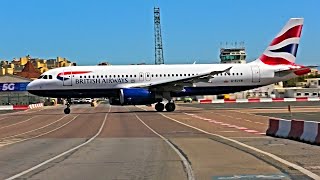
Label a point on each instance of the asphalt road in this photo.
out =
(110, 142)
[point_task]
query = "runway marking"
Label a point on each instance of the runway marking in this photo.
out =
(188, 167)
(18, 123)
(295, 166)
(64, 153)
(186, 164)
(17, 140)
(230, 125)
(3, 118)
(256, 137)
(227, 131)
(250, 131)
(35, 129)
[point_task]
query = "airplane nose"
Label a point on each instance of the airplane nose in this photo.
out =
(32, 86)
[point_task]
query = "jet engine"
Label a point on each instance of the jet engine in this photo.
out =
(133, 96)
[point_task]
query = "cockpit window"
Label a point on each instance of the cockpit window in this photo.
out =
(50, 76)
(45, 77)
(40, 77)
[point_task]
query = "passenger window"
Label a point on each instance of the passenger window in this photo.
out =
(147, 75)
(185, 75)
(80, 76)
(156, 75)
(122, 76)
(130, 75)
(118, 76)
(92, 76)
(188, 74)
(192, 74)
(172, 75)
(135, 75)
(168, 75)
(151, 75)
(88, 76)
(164, 75)
(84, 76)
(160, 75)
(180, 74)
(237, 74)
(177, 74)
(126, 75)
(241, 74)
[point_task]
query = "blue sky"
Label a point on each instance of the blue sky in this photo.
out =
(121, 31)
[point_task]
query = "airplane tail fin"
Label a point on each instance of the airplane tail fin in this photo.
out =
(283, 48)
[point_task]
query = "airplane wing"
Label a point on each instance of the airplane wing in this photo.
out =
(178, 84)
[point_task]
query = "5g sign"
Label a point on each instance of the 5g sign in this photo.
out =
(8, 86)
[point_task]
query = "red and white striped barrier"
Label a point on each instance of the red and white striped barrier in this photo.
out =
(38, 105)
(306, 131)
(253, 100)
(21, 107)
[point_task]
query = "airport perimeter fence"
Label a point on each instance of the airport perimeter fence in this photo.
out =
(19, 98)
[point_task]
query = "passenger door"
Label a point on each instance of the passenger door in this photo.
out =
(67, 77)
(255, 74)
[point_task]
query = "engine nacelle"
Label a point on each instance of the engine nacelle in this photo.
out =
(134, 96)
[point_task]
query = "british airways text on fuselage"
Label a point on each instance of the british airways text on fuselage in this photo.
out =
(102, 81)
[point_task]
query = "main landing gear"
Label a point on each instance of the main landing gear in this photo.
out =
(170, 106)
(67, 109)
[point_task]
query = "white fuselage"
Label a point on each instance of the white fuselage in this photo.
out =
(126, 76)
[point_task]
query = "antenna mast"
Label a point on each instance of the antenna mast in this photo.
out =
(158, 38)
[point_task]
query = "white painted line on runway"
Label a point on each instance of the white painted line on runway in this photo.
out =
(256, 137)
(18, 123)
(290, 164)
(17, 140)
(35, 129)
(64, 153)
(260, 123)
(186, 164)
(3, 118)
(251, 131)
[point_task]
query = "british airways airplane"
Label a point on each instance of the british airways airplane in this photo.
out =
(148, 84)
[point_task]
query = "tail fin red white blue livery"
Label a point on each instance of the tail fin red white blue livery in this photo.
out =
(283, 49)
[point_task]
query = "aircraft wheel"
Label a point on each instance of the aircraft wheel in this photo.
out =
(67, 110)
(159, 107)
(170, 107)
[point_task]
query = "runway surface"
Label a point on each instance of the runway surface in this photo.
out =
(115, 142)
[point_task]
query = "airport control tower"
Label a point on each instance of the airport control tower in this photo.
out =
(233, 55)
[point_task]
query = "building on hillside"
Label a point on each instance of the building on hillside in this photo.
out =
(43, 65)
(309, 88)
(29, 71)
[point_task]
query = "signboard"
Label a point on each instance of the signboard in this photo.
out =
(13, 86)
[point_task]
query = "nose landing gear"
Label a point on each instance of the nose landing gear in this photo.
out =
(67, 109)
